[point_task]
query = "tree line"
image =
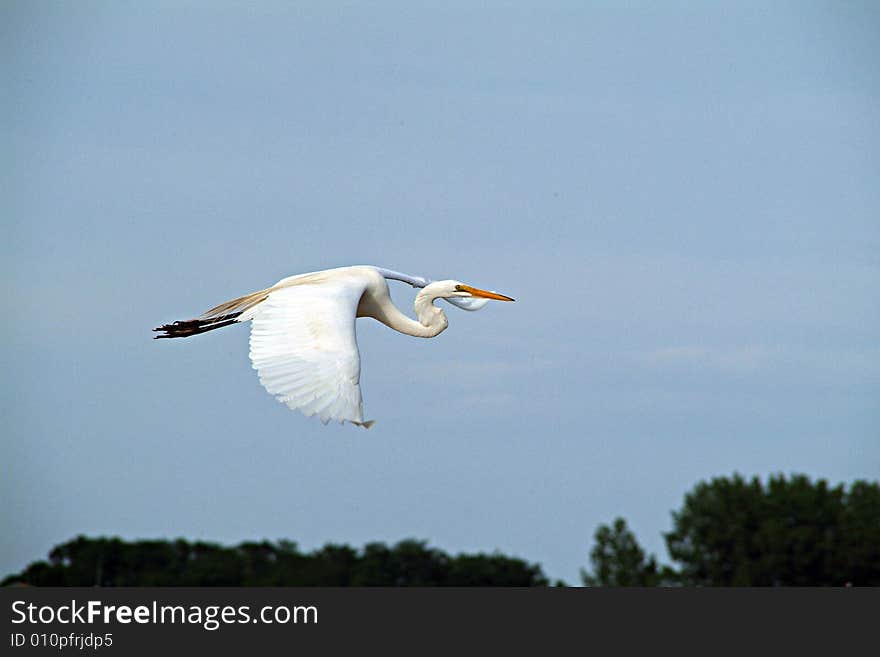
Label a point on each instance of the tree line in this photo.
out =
(736, 532)
(114, 562)
(787, 531)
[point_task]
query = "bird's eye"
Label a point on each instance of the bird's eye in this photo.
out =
(458, 288)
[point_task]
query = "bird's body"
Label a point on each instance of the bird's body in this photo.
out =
(303, 342)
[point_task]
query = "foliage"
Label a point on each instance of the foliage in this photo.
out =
(618, 559)
(789, 532)
(114, 562)
(733, 532)
(729, 532)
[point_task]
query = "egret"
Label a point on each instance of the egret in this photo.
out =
(303, 342)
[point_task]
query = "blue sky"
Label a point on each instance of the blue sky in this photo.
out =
(682, 197)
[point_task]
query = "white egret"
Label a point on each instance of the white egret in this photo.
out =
(303, 343)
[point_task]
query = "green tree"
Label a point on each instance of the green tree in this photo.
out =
(618, 559)
(114, 562)
(789, 532)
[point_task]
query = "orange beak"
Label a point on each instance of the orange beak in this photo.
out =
(485, 294)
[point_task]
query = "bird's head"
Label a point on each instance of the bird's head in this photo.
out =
(457, 293)
(457, 289)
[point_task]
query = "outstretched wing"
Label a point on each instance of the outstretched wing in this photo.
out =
(304, 348)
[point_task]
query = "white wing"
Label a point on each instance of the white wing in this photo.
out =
(304, 348)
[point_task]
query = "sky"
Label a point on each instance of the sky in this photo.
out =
(682, 197)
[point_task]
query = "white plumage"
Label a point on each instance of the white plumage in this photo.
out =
(304, 348)
(303, 341)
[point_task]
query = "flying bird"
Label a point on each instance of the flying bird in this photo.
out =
(303, 342)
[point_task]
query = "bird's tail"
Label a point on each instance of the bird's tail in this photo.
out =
(188, 327)
(225, 314)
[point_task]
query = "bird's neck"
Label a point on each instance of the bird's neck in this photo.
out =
(431, 320)
(430, 316)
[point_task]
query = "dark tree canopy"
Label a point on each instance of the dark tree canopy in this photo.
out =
(732, 532)
(787, 532)
(618, 559)
(114, 562)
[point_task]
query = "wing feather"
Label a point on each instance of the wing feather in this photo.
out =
(304, 347)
